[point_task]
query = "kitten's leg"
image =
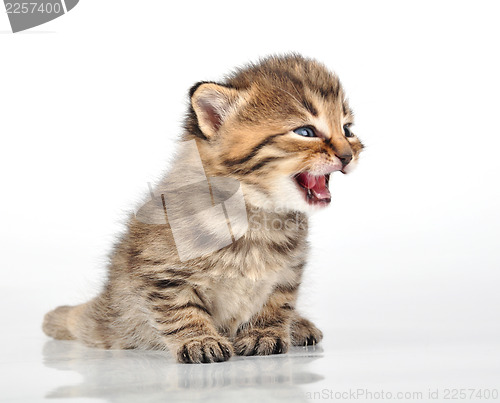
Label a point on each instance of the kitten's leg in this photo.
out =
(268, 332)
(304, 332)
(186, 328)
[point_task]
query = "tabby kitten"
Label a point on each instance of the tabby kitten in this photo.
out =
(275, 131)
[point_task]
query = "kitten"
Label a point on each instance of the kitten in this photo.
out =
(272, 133)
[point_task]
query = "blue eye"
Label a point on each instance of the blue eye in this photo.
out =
(305, 131)
(347, 131)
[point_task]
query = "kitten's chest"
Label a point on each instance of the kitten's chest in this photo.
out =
(234, 301)
(241, 284)
(238, 280)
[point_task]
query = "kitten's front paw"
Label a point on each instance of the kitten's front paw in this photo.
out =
(304, 333)
(261, 342)
(205, 349)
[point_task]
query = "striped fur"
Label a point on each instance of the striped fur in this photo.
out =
(240, 299)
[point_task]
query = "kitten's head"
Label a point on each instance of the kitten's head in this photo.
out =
(280, 127)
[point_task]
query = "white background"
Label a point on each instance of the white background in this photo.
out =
(92, 102)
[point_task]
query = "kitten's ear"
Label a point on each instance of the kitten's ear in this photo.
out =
(213, 103)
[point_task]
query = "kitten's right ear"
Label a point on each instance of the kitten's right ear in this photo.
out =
(213, 104)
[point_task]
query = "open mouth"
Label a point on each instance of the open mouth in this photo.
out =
(314, 188)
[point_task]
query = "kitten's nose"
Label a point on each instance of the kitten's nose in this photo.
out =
(345, 158)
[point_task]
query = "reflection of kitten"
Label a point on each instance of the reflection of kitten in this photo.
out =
(280, 128)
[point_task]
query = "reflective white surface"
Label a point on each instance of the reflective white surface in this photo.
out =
(364, 360)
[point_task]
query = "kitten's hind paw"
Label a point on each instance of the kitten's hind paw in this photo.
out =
(304, 333)
(204, 349)
(261, 342)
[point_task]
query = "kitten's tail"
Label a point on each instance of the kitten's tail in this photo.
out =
(56, 323)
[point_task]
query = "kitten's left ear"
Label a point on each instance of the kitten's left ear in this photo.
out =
(213, 104)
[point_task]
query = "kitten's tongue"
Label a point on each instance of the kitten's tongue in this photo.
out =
(316, 184)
